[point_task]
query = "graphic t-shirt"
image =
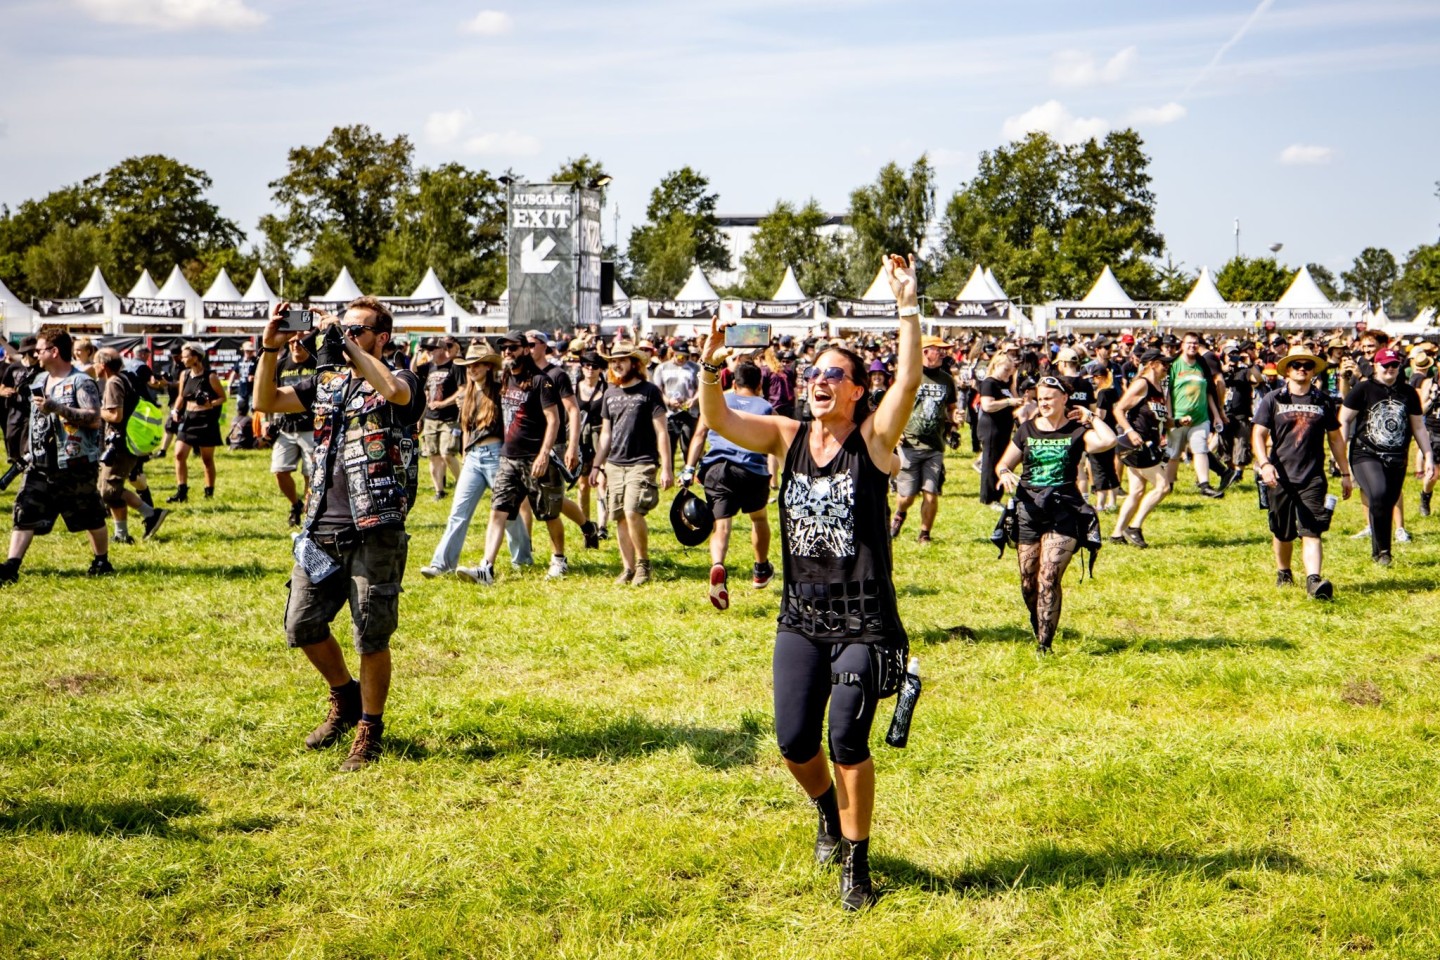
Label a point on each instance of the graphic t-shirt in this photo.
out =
(1189, 388)
(1382, 430)
(722, 449)
(1082, 392)
(441, 381)
(931, 417)
(1050, 458)
(997, 389)
(679, 383)
(54, 444)
(523, 401)
(1298, 425)
(287, 374)
(631, 412)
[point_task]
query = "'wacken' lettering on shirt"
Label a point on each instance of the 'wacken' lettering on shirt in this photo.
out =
(1046, 458)
(1298, 409)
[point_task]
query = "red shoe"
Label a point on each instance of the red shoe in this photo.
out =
(719, 587)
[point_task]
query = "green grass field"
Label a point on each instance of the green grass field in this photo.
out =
(1206, 767)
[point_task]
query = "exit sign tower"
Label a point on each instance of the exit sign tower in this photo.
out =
(554, 255)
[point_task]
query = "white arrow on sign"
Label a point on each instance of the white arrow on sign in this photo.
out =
(532, 258)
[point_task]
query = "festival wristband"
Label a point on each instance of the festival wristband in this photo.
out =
(909, 311)
(709, 368)
(269, 349)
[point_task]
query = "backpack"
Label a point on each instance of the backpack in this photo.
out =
(145, 429)
(242, 434)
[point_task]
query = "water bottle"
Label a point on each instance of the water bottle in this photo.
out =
(1331, 502)
(1263, 492)
(899, 734)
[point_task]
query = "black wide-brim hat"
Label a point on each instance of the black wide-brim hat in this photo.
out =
(688, 534)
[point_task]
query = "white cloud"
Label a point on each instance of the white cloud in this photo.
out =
(176, 14)
(510, 143)
(1304, 154)
(488, 23)
(1075, 68)
(445, 127)
(1157, 116)
(1054, 118)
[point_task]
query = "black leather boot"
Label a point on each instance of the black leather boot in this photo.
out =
(856, 892)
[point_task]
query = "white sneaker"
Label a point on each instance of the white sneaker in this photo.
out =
(1402, 535)
(558, 568)
(1362, 534)
(431, 572)
(483, 575)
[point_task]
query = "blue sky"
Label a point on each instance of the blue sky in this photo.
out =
(1313, 122)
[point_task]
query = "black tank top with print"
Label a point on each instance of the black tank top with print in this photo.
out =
(834, 528)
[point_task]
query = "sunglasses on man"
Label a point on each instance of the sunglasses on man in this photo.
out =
(1304, 366)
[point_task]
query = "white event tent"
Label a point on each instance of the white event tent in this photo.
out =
(178, 288)
(1304, 306)
(695, 302)
(145, 286)
(97, 287)
(14, 315)
(431, 288)
(789, 290)
(1204, 308)
(222, 289)
(259, 289)
(344, 289)
(980, 304)
(1106, 307)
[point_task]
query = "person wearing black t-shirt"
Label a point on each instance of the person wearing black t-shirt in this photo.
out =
(1142, 419)
(1386, 412)
(1051, 514)
(995, 423)
(354, 545)
(922, 445)
(1428, 385)
(201, 397)
(569, 439)
(840, 641)
(294, 433)
(1293, 426)
(440, 428)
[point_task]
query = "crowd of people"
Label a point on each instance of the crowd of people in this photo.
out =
(577, 430)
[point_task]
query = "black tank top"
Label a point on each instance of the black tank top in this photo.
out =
(1148, 415)
(591, 410)
(197, 390)
(834, 525)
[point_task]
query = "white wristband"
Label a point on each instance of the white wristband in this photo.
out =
(909, 311)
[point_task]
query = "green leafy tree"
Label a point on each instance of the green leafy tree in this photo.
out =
(1253, 279)
(453, 221)
(1172, 281)
(581, 170)
(1371, 278)
(889, 216)
(1324, 278)
(349, 186)
(156, 216)
(31, 222)
(61, 263)
(1110, 217)
(789, 237)
(680, 229)
(1419, 284)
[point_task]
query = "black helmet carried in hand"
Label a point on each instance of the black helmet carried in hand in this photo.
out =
(691, 518)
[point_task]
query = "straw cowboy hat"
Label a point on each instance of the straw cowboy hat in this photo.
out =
(1300, 353)
(480, 352)
(1420, 359)
(622, 349)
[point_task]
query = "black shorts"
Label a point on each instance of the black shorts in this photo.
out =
(371, 569)
(71, 494)
(514, 485)
(202, 434)
(1033, 522)
(1103, 470)
(1299, 511)
(732, 490)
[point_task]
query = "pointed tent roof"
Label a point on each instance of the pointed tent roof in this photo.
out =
(223, 288)
(177, 287)
(1107, 292)
(1425, 317)
(789, 288)
(1380, 318)
(697, 287)
(430, 287)
(978, 287)
(620, 294)
(11, 306)
(995, 284)
(1205, 293)
(259, 289)
(145, 286)
(879, 288)
(97, 287)
(344, 287)
(1303, 292)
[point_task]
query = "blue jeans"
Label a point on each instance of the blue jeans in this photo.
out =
(477, 474)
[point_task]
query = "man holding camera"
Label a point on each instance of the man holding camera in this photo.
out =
(293, 434)
(354, 544)
(62, 456)
(440, 428)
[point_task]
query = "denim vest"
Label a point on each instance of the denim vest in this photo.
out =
(379, 457)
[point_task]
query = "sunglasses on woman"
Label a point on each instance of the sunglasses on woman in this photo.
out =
(1052, 382)
(829, 374)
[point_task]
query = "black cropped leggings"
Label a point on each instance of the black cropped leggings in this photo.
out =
(993, 440)
(803, 687)
(1382, 481)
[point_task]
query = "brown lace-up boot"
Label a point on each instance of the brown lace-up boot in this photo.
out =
(366, 747)
(344, 714)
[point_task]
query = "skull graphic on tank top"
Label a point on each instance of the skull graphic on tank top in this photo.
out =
(820, 515)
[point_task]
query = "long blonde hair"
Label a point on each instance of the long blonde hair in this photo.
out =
(479, 401)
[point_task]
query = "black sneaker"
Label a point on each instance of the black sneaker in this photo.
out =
(1229, 477)
(1135, 538)
(1208, 491)
(9, 572)
(100, 567)
(297, 510)
(209, 493)
(439, 495)
(1425, 504)
(591, 534)
(124, 538)
(1118, 538)
(152, 523)
(896, 522)
(1318, 588)
(761, 575)
(1284, 578)
(924, 538)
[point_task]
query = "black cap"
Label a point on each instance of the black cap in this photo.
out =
(29, 344)
(1150, 356)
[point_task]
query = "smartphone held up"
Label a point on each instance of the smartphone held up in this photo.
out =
(297, 320)
(748, 335)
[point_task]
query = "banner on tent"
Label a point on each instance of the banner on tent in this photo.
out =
(977, 309)
(236, 310)
(776, 309)
(333, 307)
(152, 307)
(684, 309)
(867, 309)
(80, 306)
(616, 311)
(425, 307)
(1074, 314)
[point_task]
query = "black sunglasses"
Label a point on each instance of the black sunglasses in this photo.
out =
(1303, 365)
(1390, 366)
(355, 329)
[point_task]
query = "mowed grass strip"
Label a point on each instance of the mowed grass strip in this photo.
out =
(1206, 767)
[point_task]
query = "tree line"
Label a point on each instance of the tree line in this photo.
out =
(1045, 216)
